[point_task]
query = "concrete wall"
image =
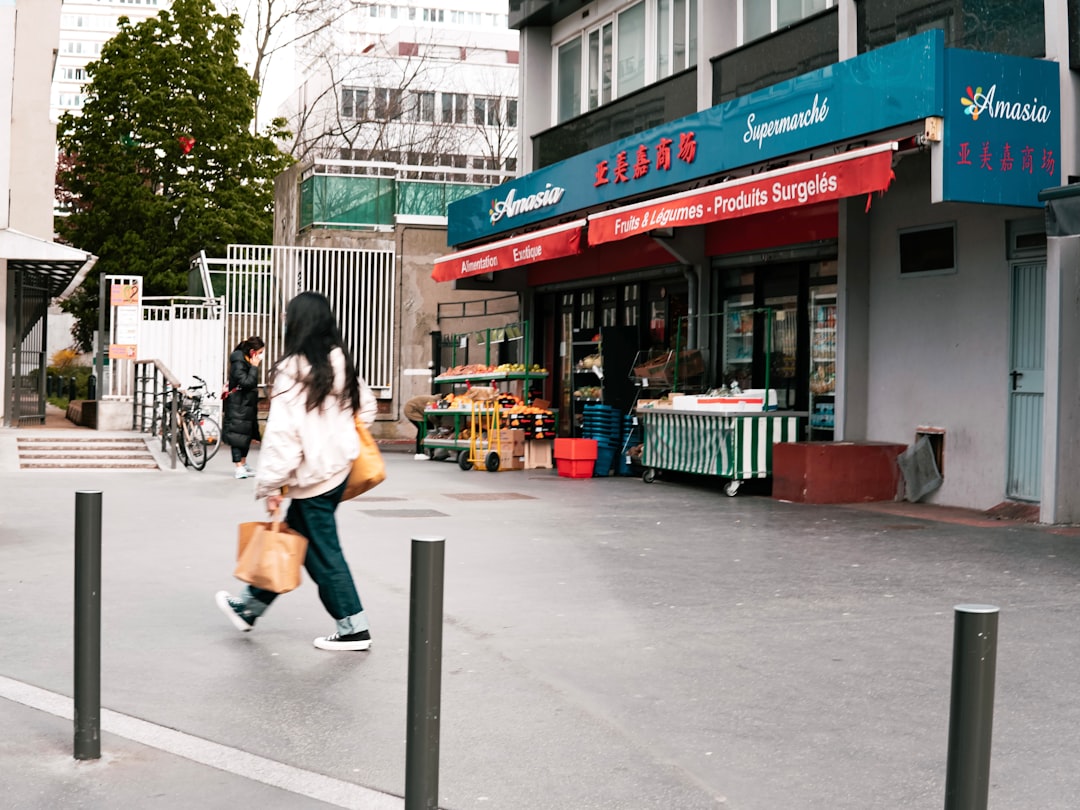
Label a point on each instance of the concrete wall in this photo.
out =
(939, 344)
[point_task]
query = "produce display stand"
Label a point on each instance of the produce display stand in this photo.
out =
(509, 346)
(732, 445)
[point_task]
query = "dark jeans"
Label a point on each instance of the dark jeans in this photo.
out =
(325, 562)
(419, 435)
(240, 452)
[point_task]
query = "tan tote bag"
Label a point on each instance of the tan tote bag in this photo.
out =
(270, 555)
(368, 468)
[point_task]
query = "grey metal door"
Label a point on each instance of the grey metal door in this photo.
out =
(1026, 351)
(28, 362)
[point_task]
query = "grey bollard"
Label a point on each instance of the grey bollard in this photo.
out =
(425, 674)
(971, 710)
(87, 625)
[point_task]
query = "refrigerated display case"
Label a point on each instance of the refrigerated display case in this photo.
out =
(738, 341)
(822, 364)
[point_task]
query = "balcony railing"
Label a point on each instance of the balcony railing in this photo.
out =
(365, 195)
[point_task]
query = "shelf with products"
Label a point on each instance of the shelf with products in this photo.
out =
(493, 395)
(738, 330)
(822, 363)
(592, 353)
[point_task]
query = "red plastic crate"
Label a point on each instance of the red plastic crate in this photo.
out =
(575, 468)
(576, 449)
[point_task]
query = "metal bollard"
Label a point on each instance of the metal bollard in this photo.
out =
(73, 388)
(91, 387)
(425, 674)
(87, 625)
(971, 710)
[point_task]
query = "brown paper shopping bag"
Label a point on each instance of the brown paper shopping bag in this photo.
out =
(270, 555)
(368, 468)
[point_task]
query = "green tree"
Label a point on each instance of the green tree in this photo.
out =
(162, 162)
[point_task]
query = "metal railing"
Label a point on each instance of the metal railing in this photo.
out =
(155, 388)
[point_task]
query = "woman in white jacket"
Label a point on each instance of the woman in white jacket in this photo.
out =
(307, 451)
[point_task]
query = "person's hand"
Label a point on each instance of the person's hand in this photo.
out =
(273, 503)
(256, 358)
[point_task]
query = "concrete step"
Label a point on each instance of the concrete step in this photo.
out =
(90, 453)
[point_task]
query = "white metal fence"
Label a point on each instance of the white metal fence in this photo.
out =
(188, 336)
(260, 280)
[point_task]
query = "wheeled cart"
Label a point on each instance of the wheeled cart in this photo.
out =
(735, 446)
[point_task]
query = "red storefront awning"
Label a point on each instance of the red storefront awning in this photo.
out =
(860, 171)
(519, 251)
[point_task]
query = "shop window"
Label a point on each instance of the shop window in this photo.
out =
(925, 251)
(630, 305)
(609, 306)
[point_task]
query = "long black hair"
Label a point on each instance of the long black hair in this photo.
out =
(251, 344)
(311, 331)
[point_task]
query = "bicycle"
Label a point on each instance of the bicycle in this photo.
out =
(193, 447)
(210, 428)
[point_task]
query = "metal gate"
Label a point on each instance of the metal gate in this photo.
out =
(187, 335)
(260, 280)
(1026, 365)
(28, 360)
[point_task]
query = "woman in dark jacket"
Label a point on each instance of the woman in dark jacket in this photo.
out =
(242, 403)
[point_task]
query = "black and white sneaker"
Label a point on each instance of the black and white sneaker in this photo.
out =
(353, 641)
(234, 609)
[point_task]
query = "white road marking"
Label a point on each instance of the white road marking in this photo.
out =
(231, 760)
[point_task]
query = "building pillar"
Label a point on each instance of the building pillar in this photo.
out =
(536, 87)
(852, 322)
(1061, 410)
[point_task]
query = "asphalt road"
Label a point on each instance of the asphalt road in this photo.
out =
(607, 644)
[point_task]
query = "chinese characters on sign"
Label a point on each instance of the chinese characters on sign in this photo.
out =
(624, 172)
(992, 159)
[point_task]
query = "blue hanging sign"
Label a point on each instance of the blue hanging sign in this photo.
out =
(1002, 134)
(884, 88)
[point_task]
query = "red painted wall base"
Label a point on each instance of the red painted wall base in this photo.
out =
(835, 472)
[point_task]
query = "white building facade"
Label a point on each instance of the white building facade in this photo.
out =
(86, 25)
(923, 297)
(33, 270)
(425, 83)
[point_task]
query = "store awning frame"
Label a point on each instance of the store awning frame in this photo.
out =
(852, 173)
(555, 242)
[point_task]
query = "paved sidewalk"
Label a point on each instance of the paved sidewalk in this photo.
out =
(607, 644)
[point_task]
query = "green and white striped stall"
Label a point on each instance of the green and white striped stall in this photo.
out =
(736, 446)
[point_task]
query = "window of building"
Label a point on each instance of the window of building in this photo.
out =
(354, 102)
(511, 112)
(930, 250)
(481, 164)
(631, 49)
(424, 106)
(758, 18)
(676, 36)
(454, 108)
(600, 55)
(569, 66)
(624, 52)
(486, 111)
(387, 103)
